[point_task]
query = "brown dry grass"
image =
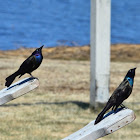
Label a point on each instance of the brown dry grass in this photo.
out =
(119, 52)
(60, 106)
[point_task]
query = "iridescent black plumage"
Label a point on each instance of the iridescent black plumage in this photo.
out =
(119, 95)
(29, 65)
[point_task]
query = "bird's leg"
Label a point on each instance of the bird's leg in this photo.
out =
(123, 106)
(31, 75)
(113, 108)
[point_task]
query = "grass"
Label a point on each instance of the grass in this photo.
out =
(60, 106)
(119, 52)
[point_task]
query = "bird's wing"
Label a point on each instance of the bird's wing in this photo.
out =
(122, 91)
(28, 63)
(31, 61)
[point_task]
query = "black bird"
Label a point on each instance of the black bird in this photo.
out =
(119, 95)
(29, 65)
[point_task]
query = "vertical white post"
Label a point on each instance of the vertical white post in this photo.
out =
(100, 51)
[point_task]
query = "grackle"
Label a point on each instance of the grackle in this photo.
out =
(121, 93)
(29, 65)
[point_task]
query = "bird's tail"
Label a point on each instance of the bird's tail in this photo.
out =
(100, 116)
(11, 78)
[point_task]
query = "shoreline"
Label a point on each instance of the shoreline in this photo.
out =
(119, 52)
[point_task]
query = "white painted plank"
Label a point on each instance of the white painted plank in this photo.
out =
(107, 126)
(99, 51)
(18, 89)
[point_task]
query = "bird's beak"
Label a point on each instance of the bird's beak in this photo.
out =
(41, 47)
(135, 68)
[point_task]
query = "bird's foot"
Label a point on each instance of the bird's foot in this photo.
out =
(33, 76)
(123, 106)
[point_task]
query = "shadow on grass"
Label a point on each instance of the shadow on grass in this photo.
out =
(82, 105)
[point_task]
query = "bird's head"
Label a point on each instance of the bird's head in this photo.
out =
(131, 73)
(38, 51)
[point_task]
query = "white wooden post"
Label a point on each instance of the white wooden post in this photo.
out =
(107, 126)
(18, 89)
(100, 51)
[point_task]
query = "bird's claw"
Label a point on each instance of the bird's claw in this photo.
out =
(123, 106)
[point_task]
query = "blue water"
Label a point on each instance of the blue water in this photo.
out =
(31, 23)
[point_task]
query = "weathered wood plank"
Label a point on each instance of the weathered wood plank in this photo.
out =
(18, 89)
(111, 122)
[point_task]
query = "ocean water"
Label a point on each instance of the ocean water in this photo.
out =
(30, 23)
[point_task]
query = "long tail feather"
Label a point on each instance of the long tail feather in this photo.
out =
(11, 78)
(100, 116)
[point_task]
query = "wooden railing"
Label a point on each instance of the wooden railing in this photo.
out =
(111, 122)
(18, 89)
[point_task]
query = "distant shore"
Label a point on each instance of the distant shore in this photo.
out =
(119, 52)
